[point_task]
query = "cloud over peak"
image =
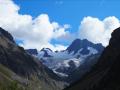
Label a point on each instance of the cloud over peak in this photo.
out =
(35, 33)
(96, 30)
(40, 31)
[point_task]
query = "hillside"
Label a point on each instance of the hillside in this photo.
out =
(32, 74)
(105, 74)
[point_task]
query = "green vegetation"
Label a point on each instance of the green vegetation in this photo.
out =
(13, 86)
(6, 82)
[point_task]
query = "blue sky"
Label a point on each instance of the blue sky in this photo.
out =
(56, 23)
(70, 11)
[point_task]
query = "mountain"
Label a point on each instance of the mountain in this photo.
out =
(7, 35)
(45, 52)
(19, 69)
(105, 75)
(83, 44)
(32, 51)
(79, 56)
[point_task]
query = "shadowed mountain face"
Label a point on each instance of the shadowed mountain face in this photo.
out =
(14, 57)
(25, 66)
(6, 34)
(32, 51)
(83, 44)
(105, 75)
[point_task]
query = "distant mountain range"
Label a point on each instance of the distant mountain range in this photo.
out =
(105, 75)
(80, 56)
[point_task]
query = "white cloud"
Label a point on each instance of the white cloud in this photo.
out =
(58, 47)
(38, 32)
(35, 33)
(60, 31)
(98, 31)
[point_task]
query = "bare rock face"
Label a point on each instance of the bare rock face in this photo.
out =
(14, 57)
(105, 75)
(32, 51)
(6, 34)
(26, 66)
(78, 44)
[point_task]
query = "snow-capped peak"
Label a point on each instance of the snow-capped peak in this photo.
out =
(66, 61)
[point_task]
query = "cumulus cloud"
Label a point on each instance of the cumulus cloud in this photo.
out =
(35, 33)
(96, 30)
(59, 30)
(39, 32)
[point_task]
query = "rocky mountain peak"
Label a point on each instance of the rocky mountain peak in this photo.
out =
(32, 51)
(115, 38)
(84, 44)
(6, 34)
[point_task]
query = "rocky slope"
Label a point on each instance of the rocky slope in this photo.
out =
(78, 44)
(105, 75)
(32, 51)
(77, 58)
(24, 66)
